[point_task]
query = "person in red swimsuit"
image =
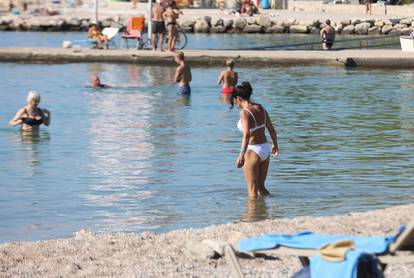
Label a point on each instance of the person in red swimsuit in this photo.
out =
(229, 79)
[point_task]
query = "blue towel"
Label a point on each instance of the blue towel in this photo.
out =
(348, 268)
(309, 240)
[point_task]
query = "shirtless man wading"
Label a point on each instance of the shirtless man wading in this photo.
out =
(158, 25)
(182, 74)
(229, 78)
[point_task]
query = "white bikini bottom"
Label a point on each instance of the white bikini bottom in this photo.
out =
(262, 150)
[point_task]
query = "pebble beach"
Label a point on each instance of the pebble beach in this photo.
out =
(89, 254)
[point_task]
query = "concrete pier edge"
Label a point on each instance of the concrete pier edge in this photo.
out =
(379, 58)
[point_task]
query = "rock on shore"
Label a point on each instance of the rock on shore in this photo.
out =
(256, 24)
(181, 253)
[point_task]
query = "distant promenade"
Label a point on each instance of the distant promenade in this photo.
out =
(378, 58)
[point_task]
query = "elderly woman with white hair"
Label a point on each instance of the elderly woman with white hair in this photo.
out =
(31, 116)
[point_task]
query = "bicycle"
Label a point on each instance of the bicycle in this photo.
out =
(180, 43)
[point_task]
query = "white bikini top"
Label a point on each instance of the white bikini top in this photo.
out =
(256, 127)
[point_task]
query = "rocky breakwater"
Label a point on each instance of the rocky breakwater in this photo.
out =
(267, 24)
(236, 24)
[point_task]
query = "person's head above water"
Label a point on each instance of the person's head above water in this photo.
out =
(33, 98)
(95, 81)
(328, 22)
(242, 92)
(179, 57)
(230, 63)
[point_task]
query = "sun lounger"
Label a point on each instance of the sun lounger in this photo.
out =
(403, 241)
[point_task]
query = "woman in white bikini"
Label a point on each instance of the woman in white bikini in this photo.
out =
(255, 151)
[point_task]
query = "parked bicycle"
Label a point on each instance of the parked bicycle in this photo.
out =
(180, 43)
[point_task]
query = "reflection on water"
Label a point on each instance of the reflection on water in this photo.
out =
(137, 156)
(30, 141)
(256, 210)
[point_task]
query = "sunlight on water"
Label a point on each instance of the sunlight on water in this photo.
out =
(137, 157)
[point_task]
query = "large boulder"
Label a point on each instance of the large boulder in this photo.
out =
(406, 21)
(362, 28)
(299, 29)
(17, 23)
(370, 21)
(275, 29)
(187, 23)
(405, 31)
(228, 23)
(217, 22)
(315, 30)
(386, 29)
(201, 26)
(208, 19)
(74, 21)
(218, 29)
(355, 21)
(251, 20)
(379, 23)
(400, 26)
(395, 32)
(388, 22)
(239, 23)
(289, 22)
(338, 28)
(350, 29)
(253, 29)
(375, 30)
(263, 21)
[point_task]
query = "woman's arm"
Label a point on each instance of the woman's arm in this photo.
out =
(273, 134)
(46, 117)
(245, 139)
(221, 78)
(17, 118)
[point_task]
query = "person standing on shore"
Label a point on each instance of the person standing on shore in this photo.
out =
(158, 25)
(229, 79)
(171, 15)
(368, 7)
(327, 36)
(255, 150)
(182, 74)
(31, 116)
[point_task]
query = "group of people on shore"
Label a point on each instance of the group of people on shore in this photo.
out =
(164, 16)
(255, 150)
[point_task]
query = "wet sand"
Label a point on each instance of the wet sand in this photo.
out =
(88, 254)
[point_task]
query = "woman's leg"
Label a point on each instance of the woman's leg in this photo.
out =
(170, 37)
(263, 169)
(251, 173)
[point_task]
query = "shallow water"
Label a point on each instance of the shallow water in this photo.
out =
(138, 157)
(196, 41)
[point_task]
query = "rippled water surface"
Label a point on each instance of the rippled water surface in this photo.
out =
(138, 157)
(201, 41)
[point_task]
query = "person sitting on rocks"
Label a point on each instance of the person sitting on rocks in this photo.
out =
(249, 8)
(95, 33)
(327, 36)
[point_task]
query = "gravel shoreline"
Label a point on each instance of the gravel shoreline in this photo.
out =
(90, 254)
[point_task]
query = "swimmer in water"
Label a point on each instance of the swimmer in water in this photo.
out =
(31, 116)
(229, 79)
(182, 74)
(255, 150)
(96, 82)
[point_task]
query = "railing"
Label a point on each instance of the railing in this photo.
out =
(363, 43)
